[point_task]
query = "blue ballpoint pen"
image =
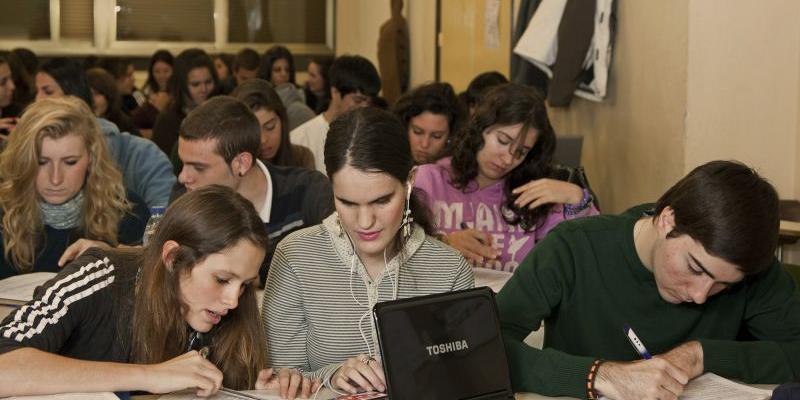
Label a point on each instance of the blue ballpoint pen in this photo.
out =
(637, 343)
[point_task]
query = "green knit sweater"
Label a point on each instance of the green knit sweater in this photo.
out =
(585, 281)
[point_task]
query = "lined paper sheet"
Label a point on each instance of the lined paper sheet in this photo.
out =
(20, 287)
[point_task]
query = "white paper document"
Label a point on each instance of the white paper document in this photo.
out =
(20, 287)
(69, 396)
(714, 387)
(491, 278)
(256, 394)
(710, 387)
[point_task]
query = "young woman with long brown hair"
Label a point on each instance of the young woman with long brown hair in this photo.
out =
(178, 314)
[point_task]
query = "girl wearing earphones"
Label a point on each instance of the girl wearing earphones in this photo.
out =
(324, 280)
(432, 115)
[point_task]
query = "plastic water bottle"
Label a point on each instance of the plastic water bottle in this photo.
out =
(156, 213)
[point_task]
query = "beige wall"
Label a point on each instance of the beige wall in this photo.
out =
(634, 140)
(743, 86)
(358, 23)
(744, 89)
(422, 33)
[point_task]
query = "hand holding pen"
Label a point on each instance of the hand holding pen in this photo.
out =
(688, 356)
(474, 245)
(187, 371)
(650, 378)
(636, 343)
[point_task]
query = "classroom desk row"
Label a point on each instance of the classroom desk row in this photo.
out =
(324, 394)
(493, 279)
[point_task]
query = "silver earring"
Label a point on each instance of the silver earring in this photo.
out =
(339, 227)
(407, 224)
(408, 220)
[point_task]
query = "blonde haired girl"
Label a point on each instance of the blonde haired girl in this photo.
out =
(58, 184)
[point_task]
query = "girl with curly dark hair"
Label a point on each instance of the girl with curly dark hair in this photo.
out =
(498, 195)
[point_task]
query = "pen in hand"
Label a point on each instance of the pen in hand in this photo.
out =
(230, 392)
(636, 343)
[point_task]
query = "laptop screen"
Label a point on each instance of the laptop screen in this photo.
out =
(444, 346)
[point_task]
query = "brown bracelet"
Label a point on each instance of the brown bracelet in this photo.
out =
(591, 393)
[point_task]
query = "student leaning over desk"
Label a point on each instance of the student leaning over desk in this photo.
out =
(134, 319)
(695, 277)
(324, 279)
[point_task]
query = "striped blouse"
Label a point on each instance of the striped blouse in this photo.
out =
(318, 296)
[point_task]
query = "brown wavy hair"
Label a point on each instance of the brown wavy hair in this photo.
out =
(203, 222)
(105, 202)
(503, 105)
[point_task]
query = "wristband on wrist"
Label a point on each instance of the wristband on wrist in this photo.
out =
(572, 209)
(591, 393)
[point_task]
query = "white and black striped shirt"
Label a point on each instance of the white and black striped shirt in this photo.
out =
(318, 296)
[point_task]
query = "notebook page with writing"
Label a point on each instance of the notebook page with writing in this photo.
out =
(714, 387)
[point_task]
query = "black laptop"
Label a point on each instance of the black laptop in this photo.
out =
(443, 346)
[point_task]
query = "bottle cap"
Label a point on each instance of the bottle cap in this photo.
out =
(157, 210)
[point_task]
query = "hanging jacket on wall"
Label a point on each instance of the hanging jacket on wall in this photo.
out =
(522, 71)
(571, 42)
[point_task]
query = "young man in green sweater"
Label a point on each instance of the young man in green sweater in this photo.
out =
(694, 276)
